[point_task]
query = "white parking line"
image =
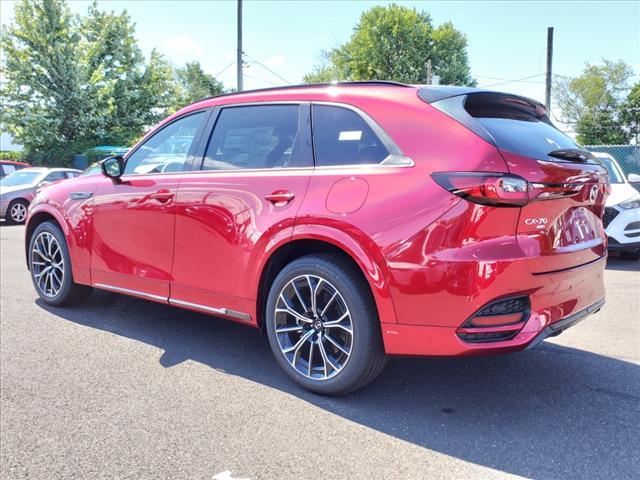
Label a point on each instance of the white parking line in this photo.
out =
(226, 475)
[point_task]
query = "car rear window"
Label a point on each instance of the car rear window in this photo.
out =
(512, 123)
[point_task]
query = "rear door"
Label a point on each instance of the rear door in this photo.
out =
(253, 178)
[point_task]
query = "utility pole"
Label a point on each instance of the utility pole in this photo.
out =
(239, 57)
(547, 95)
(429, 74)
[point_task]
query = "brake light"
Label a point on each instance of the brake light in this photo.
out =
(495, 189)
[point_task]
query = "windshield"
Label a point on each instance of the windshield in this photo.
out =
(92, 170)
(19, 178)
(615, 174)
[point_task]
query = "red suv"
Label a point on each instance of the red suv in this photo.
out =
(349, 222)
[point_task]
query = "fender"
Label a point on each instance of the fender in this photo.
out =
(368, 258)
(77, 233)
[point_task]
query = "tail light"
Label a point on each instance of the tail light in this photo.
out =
(495, 189)
(498, 321)
(502, 189)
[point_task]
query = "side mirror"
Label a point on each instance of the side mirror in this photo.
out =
(113, 167)
(42, 184)
(634, 178)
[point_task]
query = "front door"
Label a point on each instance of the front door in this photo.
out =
(133, 219)
(254, 176)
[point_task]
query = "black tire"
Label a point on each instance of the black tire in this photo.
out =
(9, 218)
(69, 293)
(367, 357)
(630, 254)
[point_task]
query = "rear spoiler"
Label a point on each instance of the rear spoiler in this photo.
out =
(436, 93)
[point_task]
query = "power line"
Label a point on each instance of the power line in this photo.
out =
(224, 69)
(513, 81)
(269, 70)
(509, 79)
(260, 79)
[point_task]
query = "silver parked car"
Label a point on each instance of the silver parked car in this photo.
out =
(18, 189)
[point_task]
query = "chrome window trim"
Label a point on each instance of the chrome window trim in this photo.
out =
(395, 159)
(130, 292)
(391, 161)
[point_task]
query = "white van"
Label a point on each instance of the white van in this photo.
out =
(622, 210)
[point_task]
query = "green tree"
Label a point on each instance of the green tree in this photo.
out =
(395, 43)
(592, 102)
(601, 128)
(43, 104)
(630, 113)
(73, 82)
(194, 84)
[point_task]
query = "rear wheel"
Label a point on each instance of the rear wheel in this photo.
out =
(631, 254)
(50, 267)
(17, 211)
(323, 326)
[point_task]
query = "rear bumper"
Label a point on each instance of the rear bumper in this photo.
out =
(412, 340)
(559, 327)
(558, 300)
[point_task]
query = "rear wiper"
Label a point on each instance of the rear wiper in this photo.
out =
(573, 155)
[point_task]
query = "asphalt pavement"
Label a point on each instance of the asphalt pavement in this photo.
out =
(123, 388)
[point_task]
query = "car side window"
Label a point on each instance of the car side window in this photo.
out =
(342, 137)
(255, 137)
(54, 176)
(168, 149)
(8, 169)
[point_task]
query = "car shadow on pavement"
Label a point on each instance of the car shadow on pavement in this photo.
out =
(548, 412)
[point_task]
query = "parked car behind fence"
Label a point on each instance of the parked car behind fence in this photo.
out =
(628, 156)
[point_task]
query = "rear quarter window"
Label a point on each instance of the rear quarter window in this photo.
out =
(342, 137)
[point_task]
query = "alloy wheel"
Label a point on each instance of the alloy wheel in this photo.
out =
(313, 327)
(47, 264)
(18, 212)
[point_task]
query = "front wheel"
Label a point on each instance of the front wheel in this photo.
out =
(323, 326)
(50, 267)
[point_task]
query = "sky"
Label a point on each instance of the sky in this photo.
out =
(506, 39)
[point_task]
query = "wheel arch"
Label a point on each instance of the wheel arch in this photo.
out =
(38, 217)
(325, 240)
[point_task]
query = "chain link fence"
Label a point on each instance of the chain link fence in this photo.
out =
(628, 156)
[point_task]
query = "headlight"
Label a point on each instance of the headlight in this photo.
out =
(629, 204)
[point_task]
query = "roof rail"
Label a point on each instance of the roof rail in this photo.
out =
(309, 85)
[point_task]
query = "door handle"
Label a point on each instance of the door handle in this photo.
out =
(162, 195)
(280, 197)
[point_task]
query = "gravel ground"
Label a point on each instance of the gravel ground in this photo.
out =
(123, 388)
